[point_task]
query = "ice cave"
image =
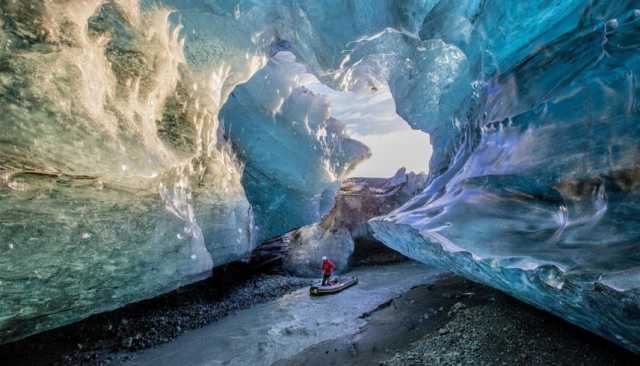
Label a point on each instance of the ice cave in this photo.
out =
(147, 143)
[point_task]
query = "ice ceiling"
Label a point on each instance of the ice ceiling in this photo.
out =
(146, 142)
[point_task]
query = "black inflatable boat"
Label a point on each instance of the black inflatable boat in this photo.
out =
(336, 285)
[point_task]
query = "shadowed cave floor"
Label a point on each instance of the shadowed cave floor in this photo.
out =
(99, 339)
(458, 322)
(451, 322)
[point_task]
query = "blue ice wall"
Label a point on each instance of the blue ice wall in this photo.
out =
(532, 111)
(114, 186)
(538, 193)
(294, 152)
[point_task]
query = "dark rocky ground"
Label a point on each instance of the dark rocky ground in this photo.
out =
(95, 341)
(452, 322)
(457, 322)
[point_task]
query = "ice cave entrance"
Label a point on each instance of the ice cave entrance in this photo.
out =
(370, 117)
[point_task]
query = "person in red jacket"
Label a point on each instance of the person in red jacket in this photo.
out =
(327, 270)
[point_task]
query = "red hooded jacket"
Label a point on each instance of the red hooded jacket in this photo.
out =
(328, 266)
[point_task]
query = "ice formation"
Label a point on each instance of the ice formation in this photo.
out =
(294, 151)
(108, 155)
(535, 189)
(118, 182)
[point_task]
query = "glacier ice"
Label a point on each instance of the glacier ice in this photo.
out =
(537, 194)
(118, 182)
(108, 154)
(294, 152)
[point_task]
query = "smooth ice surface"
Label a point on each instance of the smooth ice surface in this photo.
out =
(276, 330)
(537, 194)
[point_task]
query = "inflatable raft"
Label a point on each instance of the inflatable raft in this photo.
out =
(336, 285)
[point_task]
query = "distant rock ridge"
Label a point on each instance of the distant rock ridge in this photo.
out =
(337, 234)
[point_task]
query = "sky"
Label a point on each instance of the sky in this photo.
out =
(371, 118)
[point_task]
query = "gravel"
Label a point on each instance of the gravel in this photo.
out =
(507, 332)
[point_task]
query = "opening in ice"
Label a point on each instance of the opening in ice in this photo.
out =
(369, 115)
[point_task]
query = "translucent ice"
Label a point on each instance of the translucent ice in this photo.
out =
(117, 182)
(294, 151)
(107, 159)
(538, 192)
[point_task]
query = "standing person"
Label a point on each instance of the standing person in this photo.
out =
(327, 270)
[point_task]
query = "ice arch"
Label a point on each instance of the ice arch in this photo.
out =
(116, 183)
(532, 110)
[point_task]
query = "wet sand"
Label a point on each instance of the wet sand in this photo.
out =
(458, 322)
